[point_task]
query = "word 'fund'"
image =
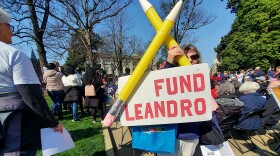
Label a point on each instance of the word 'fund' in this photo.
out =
(170, 108)
(180, 84)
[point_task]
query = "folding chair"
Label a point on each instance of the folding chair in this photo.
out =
(269, 126)
(251, 114)
(229, 121)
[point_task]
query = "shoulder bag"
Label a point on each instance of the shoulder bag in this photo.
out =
(90, 90)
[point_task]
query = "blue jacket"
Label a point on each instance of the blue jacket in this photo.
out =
(270, 74)
(258, 74)
(252, 101)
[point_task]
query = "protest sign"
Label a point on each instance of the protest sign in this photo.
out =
(275, 90)
(173, 95)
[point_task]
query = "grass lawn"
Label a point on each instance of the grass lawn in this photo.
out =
(88, 137)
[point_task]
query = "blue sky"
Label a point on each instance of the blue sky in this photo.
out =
(207, 37)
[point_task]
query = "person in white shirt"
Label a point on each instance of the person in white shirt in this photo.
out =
(23, 109)
(240, 76)
(72, 83)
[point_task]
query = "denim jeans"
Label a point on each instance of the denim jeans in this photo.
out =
(74, 110)
(57, 99)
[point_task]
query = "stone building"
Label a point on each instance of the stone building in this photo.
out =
(109, 64)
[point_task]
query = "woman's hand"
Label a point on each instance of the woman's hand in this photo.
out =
(58, 128)
(173, 52)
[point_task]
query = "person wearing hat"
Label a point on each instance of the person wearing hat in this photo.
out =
(247, 78)
(263, 85)
(270, 72)
(258, 73)
(23, 109)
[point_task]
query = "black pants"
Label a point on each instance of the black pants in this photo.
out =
(21, 134)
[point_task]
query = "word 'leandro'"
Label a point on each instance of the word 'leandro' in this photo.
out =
(172, 108)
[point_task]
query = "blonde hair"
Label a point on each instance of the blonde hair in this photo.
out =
(249, 87)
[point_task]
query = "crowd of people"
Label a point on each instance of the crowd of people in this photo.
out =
(66, 88)
(246, 92)
(235, 95)
(24, 111)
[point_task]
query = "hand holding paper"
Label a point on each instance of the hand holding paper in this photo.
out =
(55, 142)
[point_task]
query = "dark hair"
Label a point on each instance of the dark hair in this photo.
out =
(51, 66)
(68, 70)
(127, 70)
(78, 70)
(212, 84)
(89, 75)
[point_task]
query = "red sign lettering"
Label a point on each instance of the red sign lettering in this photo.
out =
(195, 81)
(186, 107)
(197, 102)
(157, 86)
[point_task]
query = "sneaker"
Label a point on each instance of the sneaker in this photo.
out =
(73, 120)
(78, 117)
(93, 121)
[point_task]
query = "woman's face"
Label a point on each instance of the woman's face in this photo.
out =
(193, 56)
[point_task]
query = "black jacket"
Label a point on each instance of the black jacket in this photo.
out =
(270, 107)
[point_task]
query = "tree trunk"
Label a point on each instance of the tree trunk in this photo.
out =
(89, 49)
(39, 31)
(120, 67)
(41, 50)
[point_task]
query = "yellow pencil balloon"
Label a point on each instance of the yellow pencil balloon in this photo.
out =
(157, 24)
(154, 46)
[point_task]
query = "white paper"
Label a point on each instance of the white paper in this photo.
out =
(55, 142)
(212, 150)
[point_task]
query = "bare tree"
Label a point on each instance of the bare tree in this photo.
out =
(191, 17)
(81, 16)
(26, 13)
(118, 39)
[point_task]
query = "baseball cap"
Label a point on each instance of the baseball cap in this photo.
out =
(262, 78)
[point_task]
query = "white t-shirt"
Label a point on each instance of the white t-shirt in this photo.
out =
(240, 77)
(15, 68)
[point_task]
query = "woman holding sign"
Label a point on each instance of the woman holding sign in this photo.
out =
(188, 133)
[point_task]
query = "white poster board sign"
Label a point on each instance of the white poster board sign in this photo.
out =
(275, 90)
(173, 95)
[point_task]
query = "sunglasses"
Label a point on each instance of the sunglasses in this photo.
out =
(194, 57)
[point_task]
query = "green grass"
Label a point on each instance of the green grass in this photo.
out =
(88, 137)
